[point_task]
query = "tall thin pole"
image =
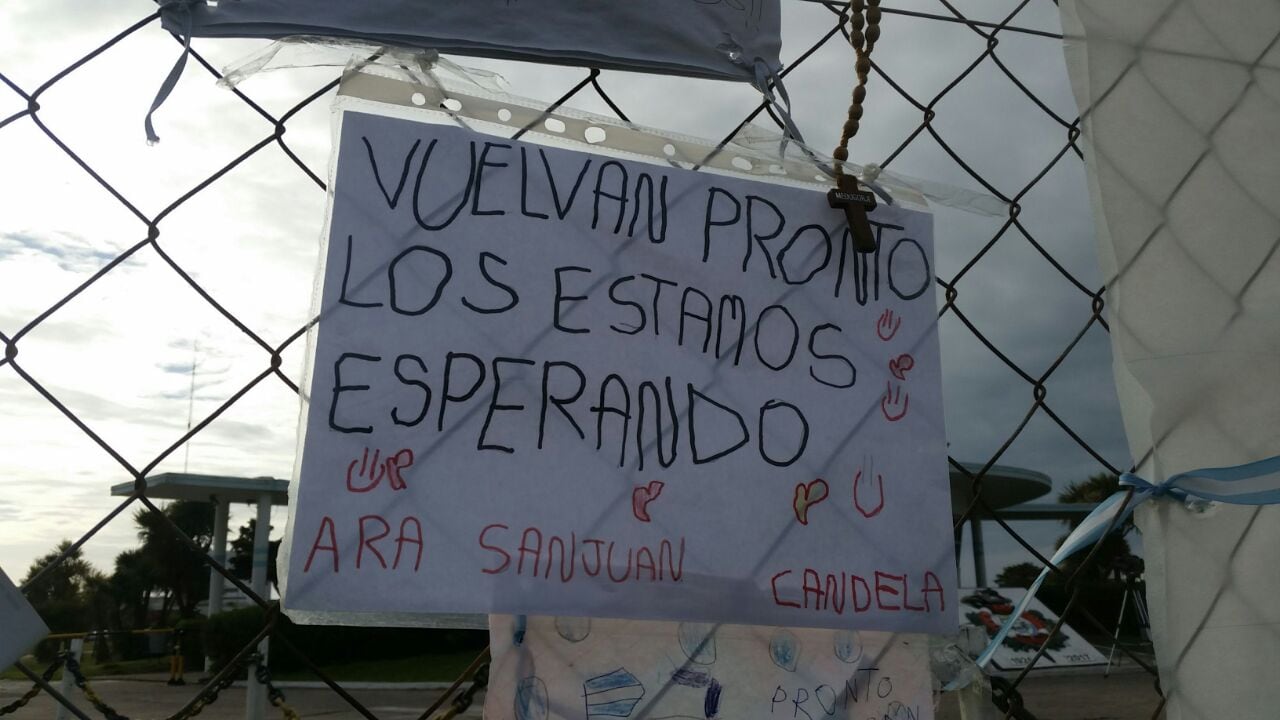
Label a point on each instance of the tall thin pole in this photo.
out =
(256, 694)
(217, 583)
(191, 405)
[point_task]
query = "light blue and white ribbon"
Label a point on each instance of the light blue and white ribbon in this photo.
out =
(1256, 483)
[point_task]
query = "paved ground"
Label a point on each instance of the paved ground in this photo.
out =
(1125, 696)
(151, 700)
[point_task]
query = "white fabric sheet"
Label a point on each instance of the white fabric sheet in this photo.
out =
(20, 626)
(1184, 166)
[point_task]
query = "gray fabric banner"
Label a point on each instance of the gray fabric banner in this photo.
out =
(724, 39)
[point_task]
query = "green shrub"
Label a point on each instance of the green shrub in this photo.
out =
(101, 649)
(227, 632)
(128, 646)
(46, 650)
(192, 638)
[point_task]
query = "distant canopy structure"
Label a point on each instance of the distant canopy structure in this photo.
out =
(720, 39)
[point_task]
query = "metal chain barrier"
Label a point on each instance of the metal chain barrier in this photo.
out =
(31, 694)
(890, 84)
(274, 694)
(207, 696)
(479, 681)
(1006, 697)
(73, 667)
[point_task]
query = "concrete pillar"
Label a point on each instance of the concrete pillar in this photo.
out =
(256, 695)
(68, 681)
(979, 553)
(217, 583)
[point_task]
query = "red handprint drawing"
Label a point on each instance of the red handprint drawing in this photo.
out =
(397, 463)
(858, 486)
(376, 469)
(808, 495)
(642, 495)
(899, 366)
(887, 326)
(894, 403)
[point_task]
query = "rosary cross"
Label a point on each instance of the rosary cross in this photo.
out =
(856, 203)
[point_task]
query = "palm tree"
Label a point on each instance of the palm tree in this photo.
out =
(176, 567)
(1018, 575)
(1097, 488)
(131, 586)
(1114, 548)
(241, 559)
(62, 595)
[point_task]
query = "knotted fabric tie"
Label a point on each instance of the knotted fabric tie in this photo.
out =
(184, 8)
(766, 81)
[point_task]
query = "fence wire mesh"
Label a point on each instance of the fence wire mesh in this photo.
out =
(921, 127)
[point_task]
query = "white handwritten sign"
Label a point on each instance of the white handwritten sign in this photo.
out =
(570, 668)
(553, 382)
(20, 626)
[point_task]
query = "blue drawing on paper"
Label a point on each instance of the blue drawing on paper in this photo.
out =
(531, 699)
(573, 629)
(517, 634)
(691, 678)
(848, 646)
(711, 702)
(784, 648)
(899, 711)
(614, 694)
(698, 641)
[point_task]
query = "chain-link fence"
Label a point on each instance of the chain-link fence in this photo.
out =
(958, 94)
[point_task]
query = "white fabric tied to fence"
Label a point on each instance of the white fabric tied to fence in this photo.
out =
(1182, 104)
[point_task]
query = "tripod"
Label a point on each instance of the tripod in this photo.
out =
(1132, 575)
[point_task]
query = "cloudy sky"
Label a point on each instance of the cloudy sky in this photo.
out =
(120, 354)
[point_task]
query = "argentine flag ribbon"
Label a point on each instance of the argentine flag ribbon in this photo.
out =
(1256, 483)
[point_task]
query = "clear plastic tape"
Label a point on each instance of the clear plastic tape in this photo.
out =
(421, 81)
(958, 682)
(308, 51)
